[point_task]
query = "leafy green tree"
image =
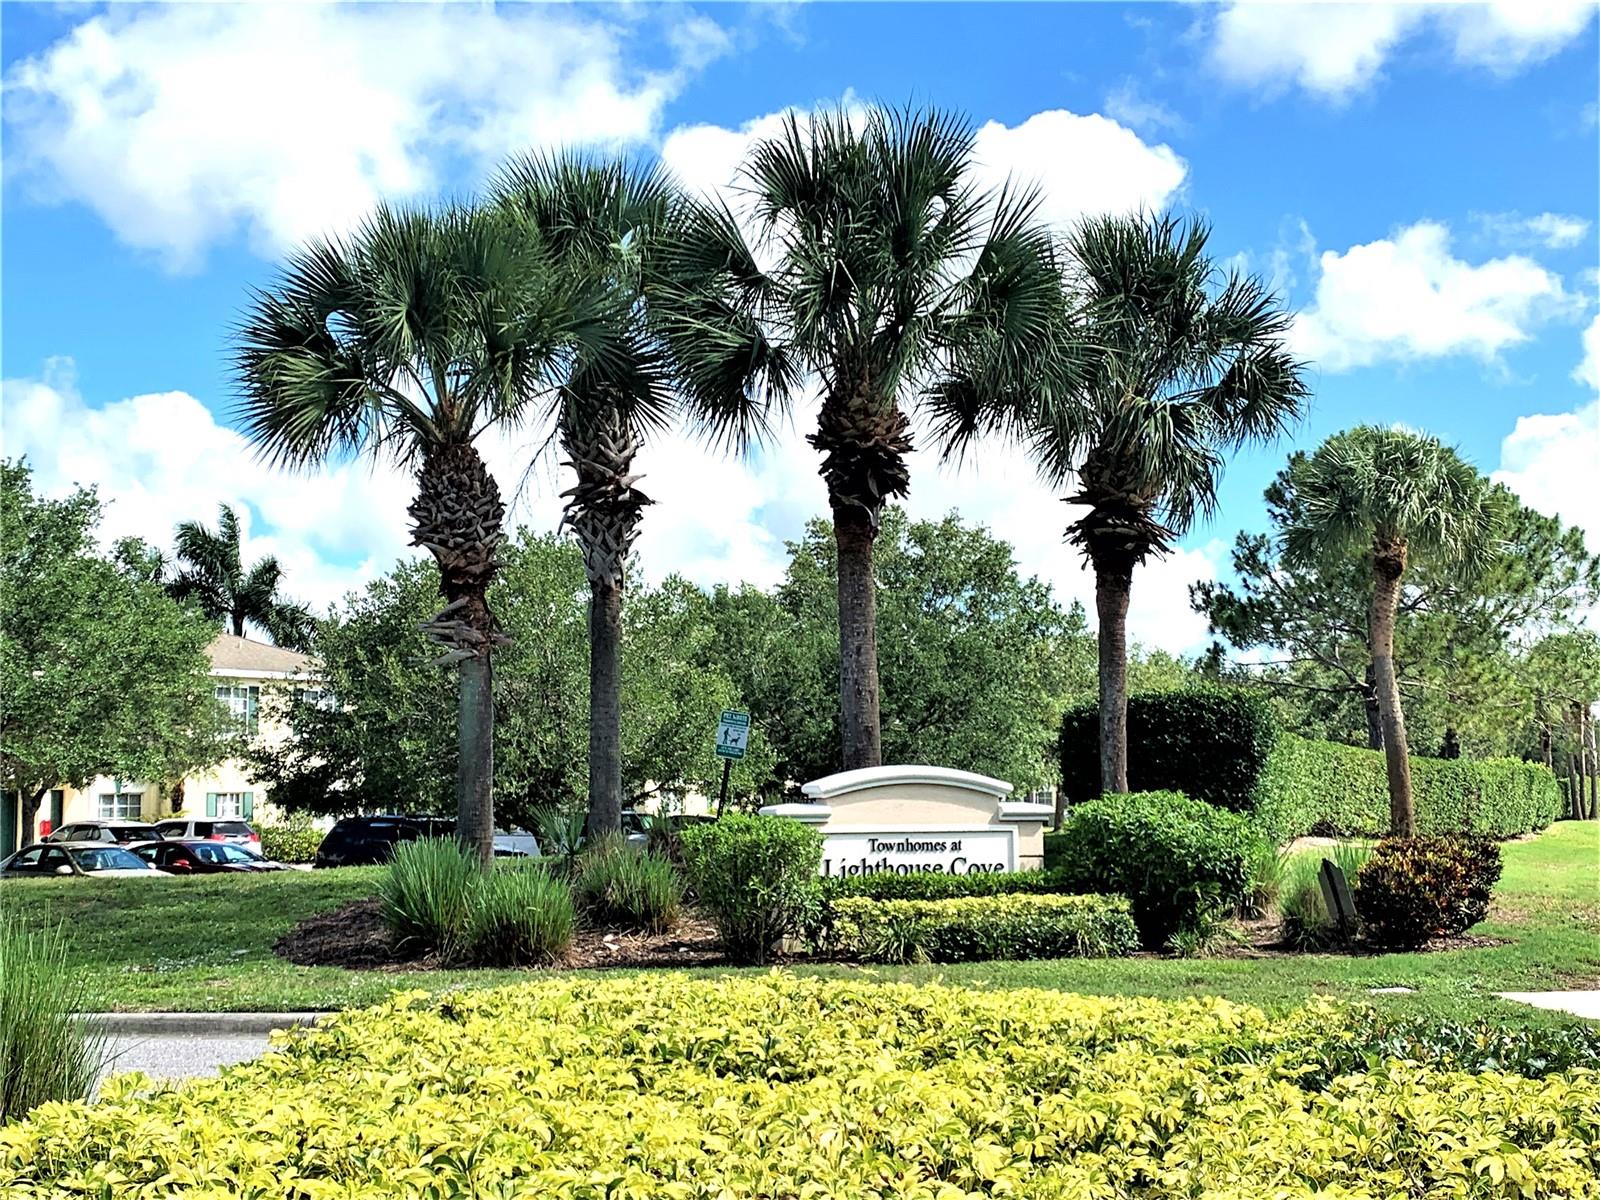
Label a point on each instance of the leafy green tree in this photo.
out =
(1458, 631)
(1384, 497)
(408, 339)
(213, 576)
(381, 737)
(101, 673)
(882, 271)
(978, 661)
(603, 219)
(1191, 365)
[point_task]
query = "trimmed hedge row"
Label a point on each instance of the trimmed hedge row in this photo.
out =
(1331, 790)
(290, 843)
(936, 885)
(1224, 747)
(1208, 743)
(983, 928)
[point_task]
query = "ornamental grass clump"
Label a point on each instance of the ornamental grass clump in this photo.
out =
(518, 918)
(425, 894)
(621, 885)
(46, 1051)
(760, 1086)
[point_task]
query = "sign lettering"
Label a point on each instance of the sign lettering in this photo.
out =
(909, 852)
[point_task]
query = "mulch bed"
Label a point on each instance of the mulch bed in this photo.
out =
(354, 936)
(1264, 938)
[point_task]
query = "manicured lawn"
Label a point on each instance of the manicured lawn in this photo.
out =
(206, 945)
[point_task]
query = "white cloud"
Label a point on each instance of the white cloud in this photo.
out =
(1408, 297)
(1553, 231)
(1336, 50)
(1549, 461)
(1127, 104)
(1588, 369)
(181, 125)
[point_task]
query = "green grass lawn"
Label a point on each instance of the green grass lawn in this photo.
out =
(206, 945)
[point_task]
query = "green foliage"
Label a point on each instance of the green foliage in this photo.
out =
(389, 741)
(1172, 856)
(101, 672)
(1209, 743)
(773, 1085)
(983, 928)
(1341, 791)
(516, 918)
(46, 1053)
(933, 885)
(426, 894)
(1307, 924)
(214, 579)
(1374, 1035)
(619, 884)
(757, 876)
(1414, 889)
(295, 841)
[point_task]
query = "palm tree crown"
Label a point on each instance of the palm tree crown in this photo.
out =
(213, 575)
(878, 267)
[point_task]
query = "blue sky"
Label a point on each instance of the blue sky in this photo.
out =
(1420, 182)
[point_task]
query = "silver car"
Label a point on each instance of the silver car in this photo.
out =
(99, 860)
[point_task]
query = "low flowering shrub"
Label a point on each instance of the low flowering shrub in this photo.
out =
(1173, 857)
(982, 928)
(757, 877)
(1414, 889)
(618, 884)
(290, 843)
(937, 885)
(779, 1086)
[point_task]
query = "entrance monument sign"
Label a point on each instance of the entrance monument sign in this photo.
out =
(915, 818)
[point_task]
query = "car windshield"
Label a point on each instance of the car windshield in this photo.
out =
(135, 833)
(107, 858)
(238, 854)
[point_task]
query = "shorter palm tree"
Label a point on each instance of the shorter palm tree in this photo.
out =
(1390, 496)
(1189, 363)
(213, 575)
(408, 340)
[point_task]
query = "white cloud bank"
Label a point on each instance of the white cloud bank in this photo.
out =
(180, 125)
(1337, 50)
(1407, 297)
(161, 458)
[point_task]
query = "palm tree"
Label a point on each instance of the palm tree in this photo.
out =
(603, 220)
(214, 576)
(1188, 364)
(886, 274)
(1391, 496)
(407, 340)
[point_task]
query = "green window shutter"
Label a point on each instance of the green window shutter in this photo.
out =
(248, 808)
(211, 804)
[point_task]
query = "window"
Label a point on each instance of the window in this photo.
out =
(242, 701)
(228, 804)
(121, 806)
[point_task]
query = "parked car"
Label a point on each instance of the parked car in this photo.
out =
(365, 841)
(210, 829)
(120, 832)
(98, 859)
(203, 857)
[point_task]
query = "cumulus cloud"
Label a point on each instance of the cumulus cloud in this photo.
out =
(1337, 50)
(161, 458)
(184, 124)
(1551, 230)
(1548, 459)
(1588, 368)
(1408, 297)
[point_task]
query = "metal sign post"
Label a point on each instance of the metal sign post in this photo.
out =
(733, 739)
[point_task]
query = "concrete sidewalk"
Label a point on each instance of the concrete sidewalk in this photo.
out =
(1584, 1004)
(186, 1045)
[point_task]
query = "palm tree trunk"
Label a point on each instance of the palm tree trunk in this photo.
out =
(1113, 584)
(854, 534)
(1369, 702)
(238, 624)
(1388, 567)
(605, 710)
(475, 767)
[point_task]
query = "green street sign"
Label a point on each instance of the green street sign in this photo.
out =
(733, 733)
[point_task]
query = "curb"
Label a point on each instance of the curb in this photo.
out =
(226, 1024)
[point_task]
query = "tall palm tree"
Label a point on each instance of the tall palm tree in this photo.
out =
(1188, 364)
(603, 220)
(212, 573)
(885, 272)
(1391, 496)
(408, 340)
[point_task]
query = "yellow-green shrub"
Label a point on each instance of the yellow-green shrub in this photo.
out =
(777, 1086)
(983, 928)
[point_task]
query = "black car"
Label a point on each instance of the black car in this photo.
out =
(364, 841)
(203, 857)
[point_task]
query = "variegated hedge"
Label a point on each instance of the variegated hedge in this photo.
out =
(776, 1086)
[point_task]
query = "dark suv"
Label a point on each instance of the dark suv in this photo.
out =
(363, 841)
